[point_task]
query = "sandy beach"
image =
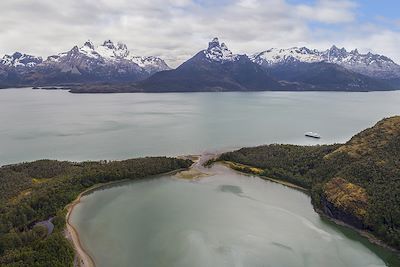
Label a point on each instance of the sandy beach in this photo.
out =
(196, 171)
(83, 259)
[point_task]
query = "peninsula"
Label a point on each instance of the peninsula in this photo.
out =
(357, 183)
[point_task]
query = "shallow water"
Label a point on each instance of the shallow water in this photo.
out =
(226, 219)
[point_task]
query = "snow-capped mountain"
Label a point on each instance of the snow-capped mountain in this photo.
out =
(275, 56)
(219, 52)
(369, 64)
(107, 62)
(88, 63)
(213, 69)
(109, 53)
(218, 69)
(20, 60)
(372, 65)
(150, 64)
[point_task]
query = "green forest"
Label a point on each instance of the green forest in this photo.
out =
(357, 182)
(36, 191)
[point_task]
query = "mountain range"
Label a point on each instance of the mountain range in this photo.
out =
(112, 68)
(88, 63)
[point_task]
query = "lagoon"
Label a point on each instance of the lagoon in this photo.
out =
(226, 219)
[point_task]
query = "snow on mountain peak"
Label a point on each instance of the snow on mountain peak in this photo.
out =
(108, 50)
(214, 43)
(121, 50)
(20, 60)
(354, 52)
(122, 46)
(108, 53)
(279, 56)
(109, 44)
(88, 49)
(368, 64)
(357, 60)
(224, 47)
(219, 52)
(150, 64)
(89, 44)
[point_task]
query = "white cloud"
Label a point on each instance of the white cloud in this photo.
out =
(176, 29)
(328, 11)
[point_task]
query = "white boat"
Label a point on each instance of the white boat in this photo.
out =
(312, 135)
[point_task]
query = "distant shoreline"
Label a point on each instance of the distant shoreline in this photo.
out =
(124, 89)
(131, 89)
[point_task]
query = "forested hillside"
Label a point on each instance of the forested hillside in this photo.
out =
(357, 182)
(37, 191)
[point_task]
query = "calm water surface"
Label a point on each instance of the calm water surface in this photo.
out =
(39, 124)
(223, 220)
(227, 219)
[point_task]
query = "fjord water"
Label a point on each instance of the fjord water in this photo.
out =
(223, 220)
(39, 124)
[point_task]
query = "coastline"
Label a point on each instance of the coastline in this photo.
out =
(364, 233)
(82, 256)
(232, 165)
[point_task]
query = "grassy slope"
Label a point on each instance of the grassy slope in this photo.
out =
(358, 182)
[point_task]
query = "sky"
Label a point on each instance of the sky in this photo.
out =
(176, 29)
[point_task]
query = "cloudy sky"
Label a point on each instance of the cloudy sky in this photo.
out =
(176, 29)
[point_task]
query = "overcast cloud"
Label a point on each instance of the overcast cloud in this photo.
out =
(176, 29)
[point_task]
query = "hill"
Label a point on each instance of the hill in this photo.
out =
(357, 182)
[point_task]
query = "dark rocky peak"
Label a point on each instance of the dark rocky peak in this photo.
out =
(89, 44)
(219, 52)
(109, 44)
(355, 52)
(16, 55)
(214, 43)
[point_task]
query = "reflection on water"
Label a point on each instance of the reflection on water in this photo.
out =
(231, 188)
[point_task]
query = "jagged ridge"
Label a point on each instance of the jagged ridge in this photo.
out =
(88, 63)
(369, 64)
(213, 69)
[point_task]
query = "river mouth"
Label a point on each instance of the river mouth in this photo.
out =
(221, 219)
